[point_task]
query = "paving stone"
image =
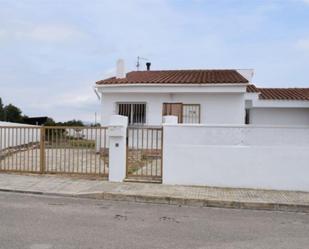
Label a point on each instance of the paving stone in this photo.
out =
(158, 193)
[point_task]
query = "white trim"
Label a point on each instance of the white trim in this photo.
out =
(173, 88)
(170, 84)
(262, 103)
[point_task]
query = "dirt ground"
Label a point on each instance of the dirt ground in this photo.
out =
(69, 160)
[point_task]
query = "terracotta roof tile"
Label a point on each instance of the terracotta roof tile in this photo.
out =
(284, 93)
(279, 93)
(252, 89)
(178, 77)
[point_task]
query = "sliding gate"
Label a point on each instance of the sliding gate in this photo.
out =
(144, 153)
(54, 150)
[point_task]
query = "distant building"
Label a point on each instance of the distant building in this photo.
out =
(36, 120)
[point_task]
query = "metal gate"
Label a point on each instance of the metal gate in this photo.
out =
(54, 150)
(76, 150)
(144, 153)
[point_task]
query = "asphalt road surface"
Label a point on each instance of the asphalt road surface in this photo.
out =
(44, 222)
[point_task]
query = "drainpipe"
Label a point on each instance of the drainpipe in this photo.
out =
(96, 92)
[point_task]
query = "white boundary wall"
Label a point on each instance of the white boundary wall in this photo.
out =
(237, 156)
(279, 116)
(17, 134)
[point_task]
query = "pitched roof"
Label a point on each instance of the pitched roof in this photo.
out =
(284, 93)
(178, 77)
(280, 93)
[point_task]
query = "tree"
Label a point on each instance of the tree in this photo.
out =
(50, 122)
(2, 116)
(95, 125)
(13, 114)
(73, 123)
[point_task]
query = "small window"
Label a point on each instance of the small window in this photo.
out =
(191, 113)
(135, 112)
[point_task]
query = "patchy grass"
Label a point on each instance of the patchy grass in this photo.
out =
(82, 143)
(76, 143)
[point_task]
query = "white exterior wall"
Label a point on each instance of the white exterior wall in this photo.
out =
(237, 156)
(225, 108)
(153, 105)
(279, 116)
(216, 108)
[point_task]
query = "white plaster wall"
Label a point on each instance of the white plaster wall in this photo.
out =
(153, 108)
(237, 156)
(216, 108)
(279, 116)
(224, 108)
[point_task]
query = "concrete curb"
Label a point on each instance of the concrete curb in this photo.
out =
(286, 207)
(200, 202)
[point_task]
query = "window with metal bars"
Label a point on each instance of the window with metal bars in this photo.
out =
(136, 112)
(191, 113)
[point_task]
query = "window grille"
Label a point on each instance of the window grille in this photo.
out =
(136, 112)
(191, 113)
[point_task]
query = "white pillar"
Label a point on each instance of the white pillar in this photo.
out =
(117, 132)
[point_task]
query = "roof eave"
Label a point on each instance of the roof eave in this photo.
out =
(170, 84)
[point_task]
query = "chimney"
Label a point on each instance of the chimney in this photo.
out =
(120, 70)
(148, 64)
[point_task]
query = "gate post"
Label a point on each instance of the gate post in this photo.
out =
(117, 133)
(42, 150)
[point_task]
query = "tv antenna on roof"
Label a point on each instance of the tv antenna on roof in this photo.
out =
(138, 62)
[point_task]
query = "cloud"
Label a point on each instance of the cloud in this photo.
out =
(303, 43)
(53, 33)
(76, 100)
(81, 104)
(52, 52)
(2, 33)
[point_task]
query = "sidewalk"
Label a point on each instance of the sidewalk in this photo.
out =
(157, 193)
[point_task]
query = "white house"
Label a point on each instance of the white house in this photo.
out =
(200, 96)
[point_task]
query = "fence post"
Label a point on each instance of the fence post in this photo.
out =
(42, 150)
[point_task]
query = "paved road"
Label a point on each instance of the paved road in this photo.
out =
(42, 222)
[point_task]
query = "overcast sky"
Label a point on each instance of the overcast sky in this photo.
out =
(52, 51)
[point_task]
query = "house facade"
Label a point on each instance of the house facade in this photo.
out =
(200, 97)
